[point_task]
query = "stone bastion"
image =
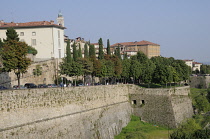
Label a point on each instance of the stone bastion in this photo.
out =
(88, 112)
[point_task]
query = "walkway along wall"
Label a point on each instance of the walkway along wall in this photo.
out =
(85, 112)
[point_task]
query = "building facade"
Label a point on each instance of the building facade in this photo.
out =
(194, 65)
(46, 37)
(131, 48)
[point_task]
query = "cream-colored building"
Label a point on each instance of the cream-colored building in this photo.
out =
(46, 37)
(194, 65)
(131, 48)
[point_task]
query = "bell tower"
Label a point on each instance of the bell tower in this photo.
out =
(60, 19)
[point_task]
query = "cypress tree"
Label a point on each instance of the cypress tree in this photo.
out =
(11, 35)
(118, 52)
(74, 52)
(86, 55)
(68, 52)
(80, 51)
(92, 53)
(101, 52)
(108, 48)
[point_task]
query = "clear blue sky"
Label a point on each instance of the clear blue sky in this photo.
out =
(181, 27)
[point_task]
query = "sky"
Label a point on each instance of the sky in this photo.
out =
(180, 27)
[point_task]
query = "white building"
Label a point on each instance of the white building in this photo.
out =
(194, 65)
(46, 37)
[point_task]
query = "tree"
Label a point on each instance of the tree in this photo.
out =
(118, 52)
(11, 35)
(126, 64)
(14, 57)
(79, 51)
(75, 54)
(68, 52)
(86, 54)
(160, 75)
(32, 50)
(87, 67)
(101, 52)
(108, 48)
(147, 71)
(1, 44)
(92, 53)
(136, 69)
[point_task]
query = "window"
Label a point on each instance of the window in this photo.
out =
(134, 102)
(21, 33)
(33, 42)
(22, 40)
(58, 33)
(33, 33)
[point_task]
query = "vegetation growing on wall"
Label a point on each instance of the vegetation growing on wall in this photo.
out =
(196, 127)
(37, 71)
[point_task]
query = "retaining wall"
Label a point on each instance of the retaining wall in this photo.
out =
(86, 112)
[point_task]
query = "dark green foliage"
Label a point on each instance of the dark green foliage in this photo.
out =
(92, 53)
(118, 52)
(97, 65)
(108, 48)
(11, 35)
(194, 127)
(75, 53)
(86, 54)
(135, 69)
(101, 52)
(160, 74)
(205, 69)
(14, 57)
(126, 64)
(1, 44)
(87, 66)
(107, 69)
(79, 52)
(71, 69)
(32, 50)
(68, 52)
(37, 71)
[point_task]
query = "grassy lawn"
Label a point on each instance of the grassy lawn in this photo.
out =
(137, 129)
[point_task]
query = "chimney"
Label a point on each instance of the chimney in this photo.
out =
(51, 21)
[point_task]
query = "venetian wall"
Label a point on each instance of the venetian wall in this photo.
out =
(86, 112)
(48, 68)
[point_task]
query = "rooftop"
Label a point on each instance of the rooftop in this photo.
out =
(134, 43)
(4, 25)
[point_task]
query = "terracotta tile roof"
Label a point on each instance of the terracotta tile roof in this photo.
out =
(187, 60)
(197, 63)
(30, 24)
(94, 43)
(134, 43)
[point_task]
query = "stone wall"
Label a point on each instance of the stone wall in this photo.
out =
(87, 112)
(49, 72)
(199, 81)
(168, 107)
(75, 112)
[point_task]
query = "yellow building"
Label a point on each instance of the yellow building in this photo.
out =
(131, 48)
